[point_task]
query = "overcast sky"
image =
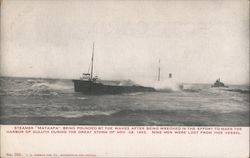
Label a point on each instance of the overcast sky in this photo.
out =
(197, 41)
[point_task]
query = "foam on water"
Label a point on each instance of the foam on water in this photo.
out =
(132, 94)
(40, 87)
(82, 98)
(42, 101)
(169, 85)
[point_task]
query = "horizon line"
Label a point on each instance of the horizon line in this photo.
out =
(52, 78)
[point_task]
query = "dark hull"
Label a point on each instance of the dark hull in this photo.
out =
(89, 87)
(219, 84)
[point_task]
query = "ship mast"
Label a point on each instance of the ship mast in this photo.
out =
(92, 61)
(159, 71)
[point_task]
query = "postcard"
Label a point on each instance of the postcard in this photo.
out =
(135, 78)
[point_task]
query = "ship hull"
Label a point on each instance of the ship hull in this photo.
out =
(89, 87)
(213, 86)
(217, 85)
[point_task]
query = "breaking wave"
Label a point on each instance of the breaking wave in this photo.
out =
(164, 86)
(33, 87)
(54, 87)
(191, 104)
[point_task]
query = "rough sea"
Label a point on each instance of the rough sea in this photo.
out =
(32, 101)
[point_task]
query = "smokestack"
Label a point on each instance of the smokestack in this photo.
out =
(170, 75)
(159, 71)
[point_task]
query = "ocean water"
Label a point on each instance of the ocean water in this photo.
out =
(54, 102)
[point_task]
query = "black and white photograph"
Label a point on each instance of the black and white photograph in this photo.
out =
(125, 63)
(128, 63)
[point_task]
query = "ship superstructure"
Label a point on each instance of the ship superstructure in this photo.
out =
(89, 84)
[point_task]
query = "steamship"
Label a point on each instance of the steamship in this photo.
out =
(89, 84)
